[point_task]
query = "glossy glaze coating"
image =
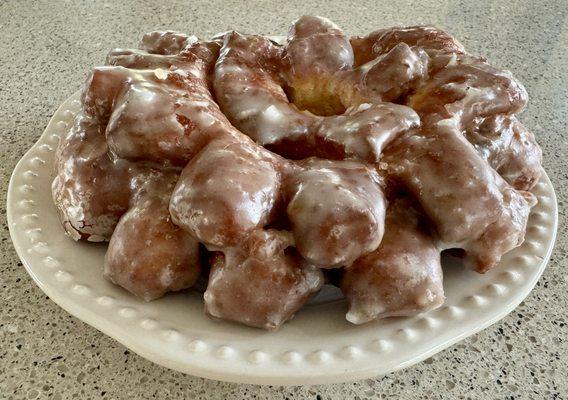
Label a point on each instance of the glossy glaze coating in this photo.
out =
(259, 283)
(148, 255)
(277, 158)
(403, 276)
(509, 147)
(381, 41)
(165, 42)
(389, 77)
(316, 49)
(250, 92)
(336, 210)
(119, 161)
(90, 190)
(226, 191)
(467, 202)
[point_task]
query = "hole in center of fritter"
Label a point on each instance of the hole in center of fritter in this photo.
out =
(315, 98)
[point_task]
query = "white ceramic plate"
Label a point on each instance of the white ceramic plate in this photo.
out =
(317, 346)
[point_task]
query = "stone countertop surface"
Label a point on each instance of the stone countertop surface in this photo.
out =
(46, 50)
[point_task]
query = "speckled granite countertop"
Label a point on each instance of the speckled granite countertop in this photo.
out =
(46, 49)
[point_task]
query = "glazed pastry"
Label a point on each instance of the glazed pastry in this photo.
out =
(467, 202)
(227, 191)
(336, 210)
(316, 50)
(278, 160)
(148, 255)
(259, 283)
(368, 48)
(403, 276)
(438, 85)
(174, 57)
(509, 148)
(90, 191)
(389, 77)
(166, 42)
(250, 92)
(179, 118)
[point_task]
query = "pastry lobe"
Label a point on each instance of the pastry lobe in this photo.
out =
(403, 276)
(260, 284)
